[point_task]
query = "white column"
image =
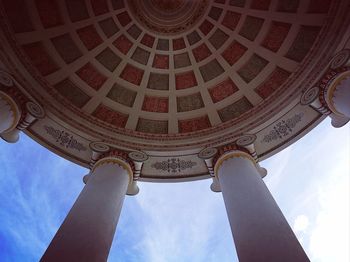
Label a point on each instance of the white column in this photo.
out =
(9, 113)
(34, 112)
(338, 96)
(260, 231)
(87, 232)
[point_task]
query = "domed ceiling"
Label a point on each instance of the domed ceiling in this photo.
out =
(168, 74)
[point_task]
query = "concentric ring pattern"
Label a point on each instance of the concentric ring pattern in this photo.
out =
(152, 67)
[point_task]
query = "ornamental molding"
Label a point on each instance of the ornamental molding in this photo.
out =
(114, 161)
(208, 153)
(173, 165)
(6, 79)
(340, 59)
(310, 95)
(283, 128)
(35, 110)
(64, 139)
(138, 156)
(246, 140)
(99, 147)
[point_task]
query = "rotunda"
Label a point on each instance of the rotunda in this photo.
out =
(172, 91)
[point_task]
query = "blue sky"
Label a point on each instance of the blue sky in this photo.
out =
(181, 221)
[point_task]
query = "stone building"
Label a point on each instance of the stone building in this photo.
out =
(177, 90)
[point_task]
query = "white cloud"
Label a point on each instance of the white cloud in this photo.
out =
(329, 240)
(181, 222)
(313, 191)
(276, 168)
(301, 223)
(36, 194)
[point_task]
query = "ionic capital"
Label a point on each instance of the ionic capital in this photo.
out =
(244, 154)
(10, 113)
(113, 161)
(208, 154)
(331, 95)
(132, 163)
(138, 158)
(6, 79)
(230, 155)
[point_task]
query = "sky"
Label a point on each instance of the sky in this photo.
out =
(310, 181)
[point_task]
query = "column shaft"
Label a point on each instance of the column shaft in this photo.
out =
(260, 231)
(87, 232)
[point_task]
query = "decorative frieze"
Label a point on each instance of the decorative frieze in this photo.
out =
(173, 165)
(64, 139)
(283, 128)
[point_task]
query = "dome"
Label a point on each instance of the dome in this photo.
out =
(169, 78)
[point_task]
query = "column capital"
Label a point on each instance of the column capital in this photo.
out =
(232, 154)
(330, 96)
(234, 151)
(10, 113)
(35, 110)
(138, 158)
(208, 154)
(336, 95)
(114, 160)
(336, 82)
(340, 59)
(131, 163)
(22, 109)
(6, 79)
(335, 89)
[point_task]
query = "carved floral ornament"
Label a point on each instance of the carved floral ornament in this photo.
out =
(64, 139)
(283, 128)
(173, 165)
